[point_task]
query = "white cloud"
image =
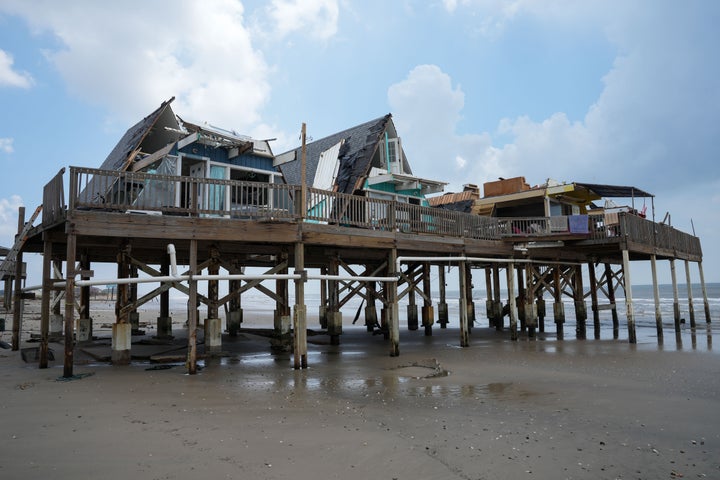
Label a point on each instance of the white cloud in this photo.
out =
(426, 110)
(316, 18)
(130, 56)
(10, 77)
(6, 145)
(8, 219)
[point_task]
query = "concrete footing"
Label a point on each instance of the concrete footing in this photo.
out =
(164, 326)
(121, 341)
(234, 321)
(56, 325)
(213, 335)
(84, 329)
(442, 314)
(412, 317)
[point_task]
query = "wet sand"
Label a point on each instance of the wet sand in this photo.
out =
(498, 409)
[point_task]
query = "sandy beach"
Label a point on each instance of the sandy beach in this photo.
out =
(596, 409)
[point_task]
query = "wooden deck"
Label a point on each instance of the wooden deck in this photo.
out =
(382, 248)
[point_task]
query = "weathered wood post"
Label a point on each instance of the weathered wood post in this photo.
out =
(70, 302)
(520, 302)
(462, 289)
(442, 304)
(392, 299)
(371, 319)
(334, 316)
(191, 363)
(282, 319)
(84, 330)
(324, 300)
(17, 293)
(558, 307)
(497, 303)
(489, 308)
(213, 323)
(133, 315)
(469, 285)
(45, 303)
(122, 328)
(704, 292)
(610, 279)
(412, 313)
(594, 299)
(627, 285)
(511, 301)
(676, 296)
(580, 307)
(691, 307)
(540, 305)
(529, 305)
(164, 321)
(56, 318)
(235, 313)
(300, 313)
(656, 295)
(428, 315)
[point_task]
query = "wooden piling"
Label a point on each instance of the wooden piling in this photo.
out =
(334, 316)
(69, 302)
(627, 286)
(529, 306)
(17, 291)
(691, 308)
(580, 307)
(192, 311)
(558, 307)
(610, 280)
(594, 299)
(499, 317)
(462, 289)
(704, 292)
(371, 318)
(442, 305)
(676, 296)
(412, 313)
(520, 301)
(45, 303)
(300, 314)
(428, 316)
(469, 295)
(392, 299)
(656, 295)
(489, 309)
(511, 301)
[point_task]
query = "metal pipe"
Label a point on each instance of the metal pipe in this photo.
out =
(173, 259)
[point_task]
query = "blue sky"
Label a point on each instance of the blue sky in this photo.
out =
(597, 91)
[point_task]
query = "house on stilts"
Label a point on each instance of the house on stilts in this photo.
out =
(188, 206)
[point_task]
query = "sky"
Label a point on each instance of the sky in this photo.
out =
(615, 92)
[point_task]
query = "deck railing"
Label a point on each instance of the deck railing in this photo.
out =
(53, 200)
(191, 196)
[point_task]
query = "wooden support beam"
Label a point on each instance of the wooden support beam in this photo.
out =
(300, 314)
(511, 300)
(45, 303)
(462, 290)
(656, 295)
(558, 307)
(628, 297)
(691, 307)
(192, 312)
(393, 320)
(580, 307)
(428, 316)
(676, 299)
(704, 293)
(594, 299)
(610, 279)
(499, 317)
(17, 291)
(69, 303)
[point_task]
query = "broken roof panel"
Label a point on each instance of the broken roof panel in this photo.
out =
(615, 191)
(355, 155)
